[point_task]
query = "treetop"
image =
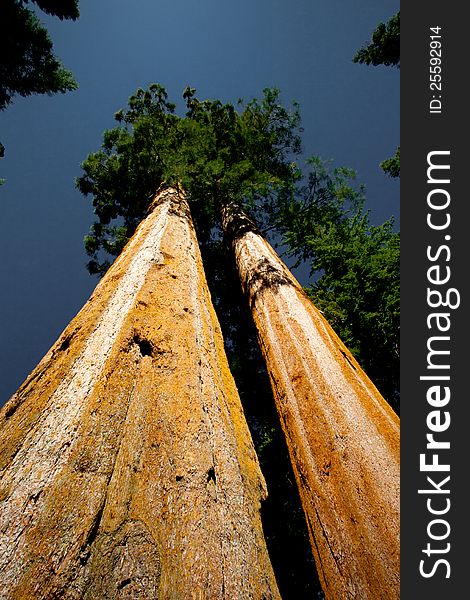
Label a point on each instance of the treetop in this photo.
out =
(216, 151)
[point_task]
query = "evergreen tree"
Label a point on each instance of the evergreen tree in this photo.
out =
(127, 469)
(215, 152)
(328, 407)
(231, 161)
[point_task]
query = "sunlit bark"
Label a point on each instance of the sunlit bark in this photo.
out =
(127, 469)
(342, 436)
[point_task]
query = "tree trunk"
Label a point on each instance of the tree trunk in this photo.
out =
(343, 438)
(127, 468)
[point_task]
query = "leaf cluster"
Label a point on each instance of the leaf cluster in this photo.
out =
(391, 165)
(63, 9)
(384, 49)
(27, 63)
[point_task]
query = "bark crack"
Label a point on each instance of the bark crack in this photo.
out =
(93, 532)
(319, 562)
(328, 543)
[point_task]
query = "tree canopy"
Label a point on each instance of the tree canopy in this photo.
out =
(214, 151)
(384, 49)
(27, 63)
(249, 152)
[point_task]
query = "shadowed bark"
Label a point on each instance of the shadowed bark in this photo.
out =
(343, 437)
(127, 469)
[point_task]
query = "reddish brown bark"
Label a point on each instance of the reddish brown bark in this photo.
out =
(127, 468)
(343, 438)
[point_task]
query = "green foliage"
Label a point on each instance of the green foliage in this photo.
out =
(355, 267)
(391, 166)
(214, 151)
(384, 48)
(27, 63)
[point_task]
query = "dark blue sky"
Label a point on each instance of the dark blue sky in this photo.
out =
(226, 50)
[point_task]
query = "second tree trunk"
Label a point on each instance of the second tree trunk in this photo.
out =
(343, 438)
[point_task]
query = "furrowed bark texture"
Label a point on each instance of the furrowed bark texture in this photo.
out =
(127, 468)
(342, 436)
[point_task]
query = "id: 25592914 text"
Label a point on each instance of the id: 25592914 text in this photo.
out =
(435, 70)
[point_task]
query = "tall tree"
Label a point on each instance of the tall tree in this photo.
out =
(228, 159)
(127, 468)
(328, 407)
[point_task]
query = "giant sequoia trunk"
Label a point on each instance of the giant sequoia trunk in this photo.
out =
(127, 469)
(342, 436)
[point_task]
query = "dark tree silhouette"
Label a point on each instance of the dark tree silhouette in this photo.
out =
(27, 62)
(384, 49)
